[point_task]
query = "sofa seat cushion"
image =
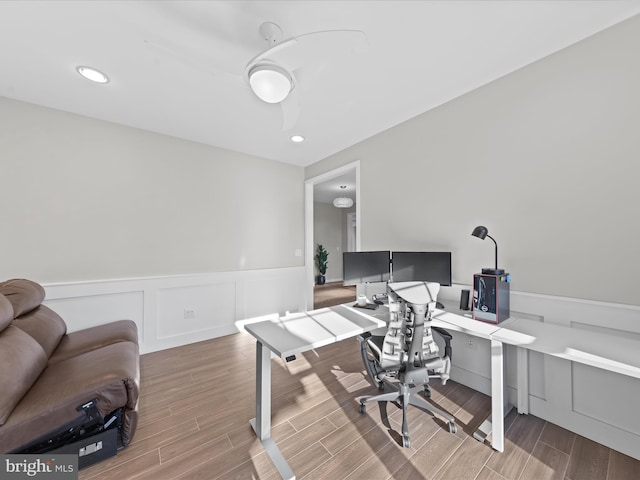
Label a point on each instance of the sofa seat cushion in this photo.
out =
(83, 341)
(22, 360)
(109, 374)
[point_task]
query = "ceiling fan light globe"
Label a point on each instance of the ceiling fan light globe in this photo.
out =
(270, 83)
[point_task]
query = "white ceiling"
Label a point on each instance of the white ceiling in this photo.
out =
(175, 67)
(327, 191)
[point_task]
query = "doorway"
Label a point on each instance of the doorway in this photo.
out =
(319, 188)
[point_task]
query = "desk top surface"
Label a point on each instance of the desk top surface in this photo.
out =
(450, 319)
(602, 350)
(460, 323)
(304, 331)
(300, 332)
(610, 352)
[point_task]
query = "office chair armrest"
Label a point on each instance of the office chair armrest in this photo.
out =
(443, 333)
(446, 336)
(374, 342)
(363, 336)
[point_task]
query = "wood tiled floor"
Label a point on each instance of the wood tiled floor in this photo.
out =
(333, 293)
(196, 402)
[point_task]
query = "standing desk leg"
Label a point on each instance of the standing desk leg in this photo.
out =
(262, 423)
(499, 406)
(498, 391)
(523, 380)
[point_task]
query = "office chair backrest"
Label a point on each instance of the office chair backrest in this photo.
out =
(408, 344)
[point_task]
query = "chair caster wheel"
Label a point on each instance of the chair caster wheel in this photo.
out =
(453, 428)
(362, 408)
(406, 443)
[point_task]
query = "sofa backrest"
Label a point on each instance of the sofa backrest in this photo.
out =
(22, 360)
(29, 333)
(6, 312)
(39, 321)
(24, 295)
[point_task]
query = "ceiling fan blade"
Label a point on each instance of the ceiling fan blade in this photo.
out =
(267, 54)
(191, 60)
(290, 110)
(298, 51)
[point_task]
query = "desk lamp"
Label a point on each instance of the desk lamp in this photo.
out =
(482, 232)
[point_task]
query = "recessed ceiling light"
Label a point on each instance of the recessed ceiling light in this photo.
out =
(92, 74)
(297, 138)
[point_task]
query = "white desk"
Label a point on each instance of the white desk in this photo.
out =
(301, 332)
(597, 349)
(609, 352)
(457, 322)
(289, 336)
(499, 406)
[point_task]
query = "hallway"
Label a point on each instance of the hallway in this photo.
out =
(333, 293)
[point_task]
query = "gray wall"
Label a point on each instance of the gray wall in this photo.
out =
(546, 158)
(83, 199)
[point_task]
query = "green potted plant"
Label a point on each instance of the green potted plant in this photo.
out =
(321, 264)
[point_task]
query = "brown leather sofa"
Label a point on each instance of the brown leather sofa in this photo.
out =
(53, 383)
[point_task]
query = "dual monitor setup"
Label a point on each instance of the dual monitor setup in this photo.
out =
(389, 266)
(491, 289)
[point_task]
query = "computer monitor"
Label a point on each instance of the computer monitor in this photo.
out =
(365, 267)
(422, 267)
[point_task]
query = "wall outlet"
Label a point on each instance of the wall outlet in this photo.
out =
(189, 313)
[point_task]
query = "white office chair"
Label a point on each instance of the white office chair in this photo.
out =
(406, 357)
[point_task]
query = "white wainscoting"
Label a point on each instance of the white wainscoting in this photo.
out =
(592, 402)
(221, 302)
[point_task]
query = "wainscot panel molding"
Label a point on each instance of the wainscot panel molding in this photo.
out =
(176, 310)
(592, 402)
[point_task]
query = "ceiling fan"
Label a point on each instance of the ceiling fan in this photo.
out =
(273, 74)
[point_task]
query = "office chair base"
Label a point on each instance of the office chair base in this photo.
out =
(408, 396)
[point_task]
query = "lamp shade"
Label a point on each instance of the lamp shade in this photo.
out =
(270, 83)
(480, 232)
